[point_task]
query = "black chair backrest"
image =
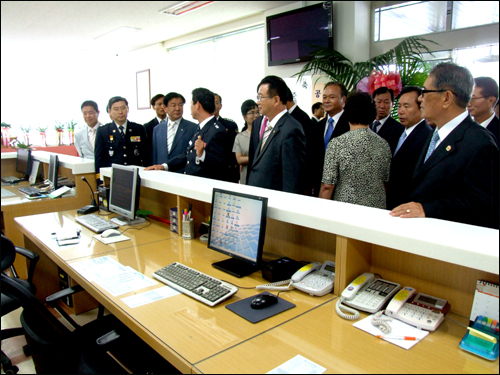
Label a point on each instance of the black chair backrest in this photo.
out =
(32, 307)
(8, 253)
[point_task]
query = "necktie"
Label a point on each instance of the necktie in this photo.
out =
(329, 132)
(374, 125)
(120, 128)
(92, 137)
(170, 135)
(401, 141)
(266, 135)
(263, 127)
(432, 145)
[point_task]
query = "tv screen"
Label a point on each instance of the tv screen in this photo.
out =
(293, 35)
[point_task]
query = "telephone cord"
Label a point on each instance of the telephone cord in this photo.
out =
(382, 322)
(339, 307)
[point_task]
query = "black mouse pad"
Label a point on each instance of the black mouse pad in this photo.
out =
(243, 309)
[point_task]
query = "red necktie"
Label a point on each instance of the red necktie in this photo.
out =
(263, 127)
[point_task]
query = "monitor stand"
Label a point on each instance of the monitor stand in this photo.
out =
(236, 267)
(122, 220)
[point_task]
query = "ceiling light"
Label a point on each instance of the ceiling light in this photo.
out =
(185, 7)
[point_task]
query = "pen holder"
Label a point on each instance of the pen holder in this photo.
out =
(188, 229)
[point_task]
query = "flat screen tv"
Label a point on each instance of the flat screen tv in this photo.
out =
(292, 36)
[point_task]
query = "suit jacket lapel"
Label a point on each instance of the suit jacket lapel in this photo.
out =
(446, 148)
(275, 131)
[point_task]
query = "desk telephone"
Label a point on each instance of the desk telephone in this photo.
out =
(315, 279)
(369, 294)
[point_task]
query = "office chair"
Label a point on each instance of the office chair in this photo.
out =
(9, 304)
(104, 345)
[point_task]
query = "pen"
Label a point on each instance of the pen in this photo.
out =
(406, 338)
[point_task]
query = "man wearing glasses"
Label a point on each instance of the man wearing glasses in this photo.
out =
(456, 177)
(280, 157)
(482, 104)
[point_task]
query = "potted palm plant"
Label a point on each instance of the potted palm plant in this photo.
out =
(60, 130)
(70, 125)
(5, 134)
(26, 131)
(401, 66)
(43, 134)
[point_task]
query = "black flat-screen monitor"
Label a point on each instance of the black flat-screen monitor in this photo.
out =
(238, 229)
(292, 36)
(24, 161)
(53, 170)
(124, 194)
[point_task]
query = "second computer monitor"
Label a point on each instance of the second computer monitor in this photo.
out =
(238, 229)
(24, 161)
(124, 194)
(53, 171)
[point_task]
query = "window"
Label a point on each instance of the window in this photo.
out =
(425, 17)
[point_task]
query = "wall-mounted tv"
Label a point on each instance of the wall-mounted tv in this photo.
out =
(293, 35)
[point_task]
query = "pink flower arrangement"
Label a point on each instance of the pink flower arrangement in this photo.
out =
(379, 79)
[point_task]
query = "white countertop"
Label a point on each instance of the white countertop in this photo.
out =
(462, 244)
(77, 164)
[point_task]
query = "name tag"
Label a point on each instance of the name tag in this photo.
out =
(135, 139)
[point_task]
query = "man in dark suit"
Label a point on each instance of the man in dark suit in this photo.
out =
(307, 127)
(456, 177)
(258, 127)
(121, 141)
(482, 104)
(384, 125)
(233, 168)
(409, 147)
(318, 112)
(171, 138)
(205, 153)
(157, 105)
(280, 159)
(332, 126)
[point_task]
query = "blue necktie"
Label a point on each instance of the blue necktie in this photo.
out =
(374, 125)
(401, 141)
(329, 132)
(432, 145)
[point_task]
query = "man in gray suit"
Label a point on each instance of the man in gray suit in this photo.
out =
(280, 157)
(85, 138)
(171, 137)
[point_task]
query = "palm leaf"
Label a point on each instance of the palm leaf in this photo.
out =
(406, 57)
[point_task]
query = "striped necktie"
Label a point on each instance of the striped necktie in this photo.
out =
(171, 135)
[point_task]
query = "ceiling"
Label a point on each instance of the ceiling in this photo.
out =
(76, 24)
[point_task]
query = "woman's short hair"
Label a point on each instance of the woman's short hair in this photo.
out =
(247, 105)
(360, 108)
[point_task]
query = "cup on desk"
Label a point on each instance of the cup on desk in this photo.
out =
(188, 229)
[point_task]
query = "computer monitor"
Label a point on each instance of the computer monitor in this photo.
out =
(124, 194)
(24, 161)
(238, 229)
(53, 171)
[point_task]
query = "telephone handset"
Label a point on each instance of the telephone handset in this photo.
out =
(367, 294)
(419, 310)
(315, 278)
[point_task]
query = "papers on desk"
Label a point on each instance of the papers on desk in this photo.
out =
(114, 277)
(298, 365)
(149, 296)
(398, 328)
(6, 193)
(110, 240)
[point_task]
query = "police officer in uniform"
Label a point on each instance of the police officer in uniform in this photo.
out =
(205, 154)
(121, 141)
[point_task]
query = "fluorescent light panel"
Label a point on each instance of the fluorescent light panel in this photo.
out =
(185, 7)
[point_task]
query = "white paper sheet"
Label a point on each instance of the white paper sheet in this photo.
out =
(298, 365)
(149, 296)
(109, 240)
(398, 328)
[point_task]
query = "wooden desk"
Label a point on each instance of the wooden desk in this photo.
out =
(332, 342)
(181, 329)
(69, 166)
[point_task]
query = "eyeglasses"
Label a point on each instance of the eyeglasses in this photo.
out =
(260, 97)
(424, 91)
(253, 113)
(475, 98)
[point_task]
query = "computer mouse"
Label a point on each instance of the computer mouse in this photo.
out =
(263, 300)
(110, 233)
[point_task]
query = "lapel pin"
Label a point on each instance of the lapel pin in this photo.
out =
(114, 131)
(448, 148)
